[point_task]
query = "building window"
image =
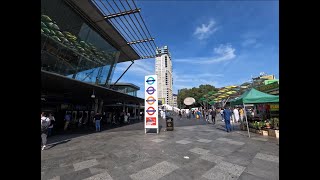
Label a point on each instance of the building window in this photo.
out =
(166, 63)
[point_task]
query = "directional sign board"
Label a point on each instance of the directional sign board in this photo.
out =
(151, 103)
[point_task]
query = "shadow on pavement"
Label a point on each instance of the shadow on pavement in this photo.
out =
(57, 143)
(63, 136)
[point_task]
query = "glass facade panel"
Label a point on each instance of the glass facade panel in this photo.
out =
(71, 48)
(127, 90)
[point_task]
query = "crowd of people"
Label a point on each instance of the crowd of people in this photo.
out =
(48, 122)
(228, 115)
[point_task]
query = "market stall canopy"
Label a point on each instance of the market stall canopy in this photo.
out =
(230, 87)
(255, 96)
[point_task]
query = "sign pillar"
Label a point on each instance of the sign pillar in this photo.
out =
(151, 103)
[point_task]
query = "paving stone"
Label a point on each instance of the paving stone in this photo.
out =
(267, 157)
(85, 164)
(101, 176)
(130, 154)
(183, 142)
(199, 151)
(157, 140)
(155, 172)
(204, 140)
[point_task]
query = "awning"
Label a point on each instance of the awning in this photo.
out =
(81, 92)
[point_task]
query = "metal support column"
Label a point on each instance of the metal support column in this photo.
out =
(123, 74)
(108, 79)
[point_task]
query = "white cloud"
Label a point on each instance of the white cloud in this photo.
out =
(248, 42)
(223, 53)
(205, 30)
(251, 39)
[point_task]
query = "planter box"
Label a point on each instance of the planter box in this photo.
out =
(243, 127)
(265, 133)
(277, 133)
(272, 132)
(252, 130)
(258, 131)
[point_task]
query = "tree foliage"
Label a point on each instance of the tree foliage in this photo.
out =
(200, 94)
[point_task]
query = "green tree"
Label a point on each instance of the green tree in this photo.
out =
(201, 94)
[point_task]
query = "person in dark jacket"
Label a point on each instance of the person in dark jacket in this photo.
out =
(227, 116)
(97, 118)
(213, 113)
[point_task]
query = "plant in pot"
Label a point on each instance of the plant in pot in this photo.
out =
(259, 127)
(251, 125)
(276, 123)
(271, 123)
(244, 126)
(276, 126)
(268, 125)
(256, 125)
(262, 125)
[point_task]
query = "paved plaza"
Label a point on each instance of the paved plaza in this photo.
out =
(194, 150)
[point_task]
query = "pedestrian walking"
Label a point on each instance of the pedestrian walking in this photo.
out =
(67, 119)
(227, 116)
(209, 115)
(52, 122)
(45, 122)
(236, 115)
(241, 113)
(97, 118)
(126, 118)
(213, 114)
(221, 113)
(180, 115)
(206, 115)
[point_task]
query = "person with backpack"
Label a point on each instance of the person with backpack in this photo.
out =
(45, 122)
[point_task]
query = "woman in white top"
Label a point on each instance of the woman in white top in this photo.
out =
(236, 115)
(221, 113)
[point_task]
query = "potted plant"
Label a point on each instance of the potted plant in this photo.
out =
(271, 123)
(243, 126)
(276, 126)
(251, 126)
(268, 125)
(276, 123)
(259, 126)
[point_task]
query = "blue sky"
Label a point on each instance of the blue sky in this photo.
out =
(211, 42)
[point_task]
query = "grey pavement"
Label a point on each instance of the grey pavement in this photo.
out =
(194, 150)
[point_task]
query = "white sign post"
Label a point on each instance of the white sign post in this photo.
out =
(151, 103)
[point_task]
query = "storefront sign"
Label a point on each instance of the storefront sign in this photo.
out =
(268, 87)
(274, 107)
(151, 103)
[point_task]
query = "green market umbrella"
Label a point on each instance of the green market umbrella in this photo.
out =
(211, 102)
